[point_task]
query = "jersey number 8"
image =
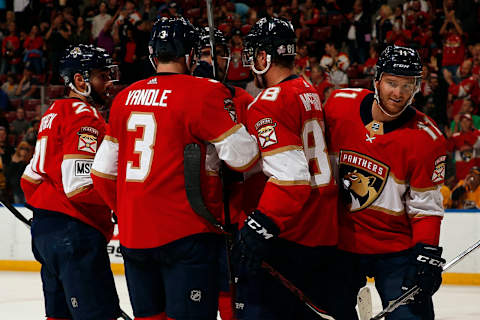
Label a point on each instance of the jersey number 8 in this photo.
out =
(315, 150)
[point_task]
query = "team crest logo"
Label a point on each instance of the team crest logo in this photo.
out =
(196, 295)
(230, 107)
(466, 155)
(266, 132)
(439, 171)
(363, 179)
(88, 139)
(76, 52)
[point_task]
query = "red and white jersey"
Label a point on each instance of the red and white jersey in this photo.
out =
(237, 109)
(300, 195)
(139, 167)
(58, 176)
(389, 173)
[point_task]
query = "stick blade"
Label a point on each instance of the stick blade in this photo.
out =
(364, 303)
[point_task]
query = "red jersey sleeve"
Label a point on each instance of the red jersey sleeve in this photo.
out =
(424, 201)
(283, 159)
(85, 130)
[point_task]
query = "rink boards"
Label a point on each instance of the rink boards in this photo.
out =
(460, 229)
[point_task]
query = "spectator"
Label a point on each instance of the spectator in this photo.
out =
(336, 63)
(10, 85)
(11, 51)
(31, 135)
(319, 79)
(6, 150)
(4, 101)
(82, 34)
(33, 45)
(99, 21)
(58, 39)
(368, 68)
(309, 16)
(237, 73)
(398, 35)
(467, 107)
(463, 144)
(15, 169)
(112, 7)
(382, 25)
(466, 194)
(453, 43)
(359, 33)
(91, 10)
(467, 88)
(446, 191)
(20, 125)
(148, 11)
(28, 85)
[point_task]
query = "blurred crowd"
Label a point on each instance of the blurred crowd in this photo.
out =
(338, 44)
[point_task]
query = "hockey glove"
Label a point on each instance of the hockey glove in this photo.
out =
(425, 271)
(254, 240)
(204, 70)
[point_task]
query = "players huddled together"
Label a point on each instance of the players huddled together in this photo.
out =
(225, 201)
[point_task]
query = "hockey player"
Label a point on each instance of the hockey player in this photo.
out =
(233, 184)
(170, 252)
(71, 224)
(391, 165)
(294, 226)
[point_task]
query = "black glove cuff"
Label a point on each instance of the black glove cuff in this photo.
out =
(428, 254)
(262, 225)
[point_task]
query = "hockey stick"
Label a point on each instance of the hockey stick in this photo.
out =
(28, 223)
(16, 213)
(192, 167)
(392, 305)
(211, 32)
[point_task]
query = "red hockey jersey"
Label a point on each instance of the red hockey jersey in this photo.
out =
(139, 167)
(58, 176)
(389, 174)
(300, 195)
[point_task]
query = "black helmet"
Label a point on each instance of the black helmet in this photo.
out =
(204, 38)
(83, 59)
(275, 36)
(399, 61)
(172, 37)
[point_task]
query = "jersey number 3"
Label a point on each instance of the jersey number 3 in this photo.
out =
(143, 146)
(315, 150)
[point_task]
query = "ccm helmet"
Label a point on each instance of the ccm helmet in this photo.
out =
(172, 38)
(83, 59)
(275, 36)
(398, 61)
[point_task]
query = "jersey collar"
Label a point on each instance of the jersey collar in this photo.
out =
(290, 77)
(366, 115)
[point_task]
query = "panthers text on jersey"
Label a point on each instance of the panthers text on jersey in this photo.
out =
(58, 176)
(139, 167)
(389, 174)
(300, 195)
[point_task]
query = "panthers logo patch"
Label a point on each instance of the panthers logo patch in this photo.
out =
(363, 179)
(439, 171)
(266, 132)
(230, 107)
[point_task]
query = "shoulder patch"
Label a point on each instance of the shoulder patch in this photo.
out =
(266, 132)
(87, 139)
(439, 170)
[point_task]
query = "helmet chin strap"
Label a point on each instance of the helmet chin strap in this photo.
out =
(379, 104)
(85, 94)
(260, 74)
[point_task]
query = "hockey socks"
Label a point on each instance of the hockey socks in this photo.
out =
(225, 306)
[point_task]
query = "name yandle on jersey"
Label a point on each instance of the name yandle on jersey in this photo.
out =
(147, 97)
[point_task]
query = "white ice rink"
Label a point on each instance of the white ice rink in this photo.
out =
(21, 298)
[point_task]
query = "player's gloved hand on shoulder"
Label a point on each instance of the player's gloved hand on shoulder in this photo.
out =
(424, 270)
(254, 238)
(204, 70)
